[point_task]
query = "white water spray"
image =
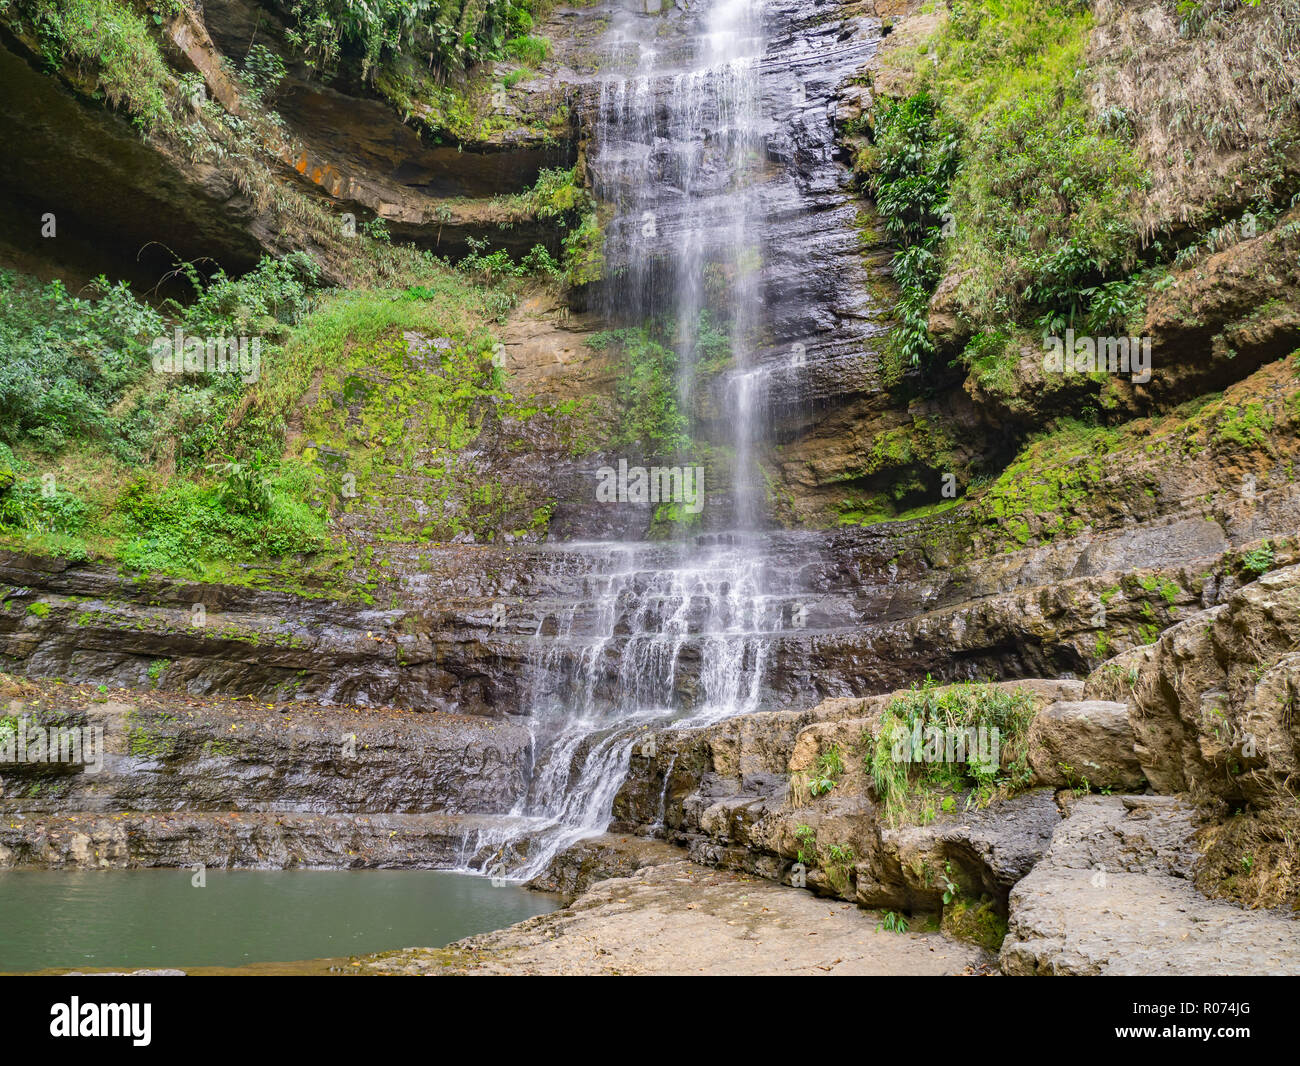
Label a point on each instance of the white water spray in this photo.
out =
(681, 635)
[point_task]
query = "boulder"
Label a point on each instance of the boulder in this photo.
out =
(1084, 743)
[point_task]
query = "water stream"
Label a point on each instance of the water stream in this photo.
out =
(678, 152)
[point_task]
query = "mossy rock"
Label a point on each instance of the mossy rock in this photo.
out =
(976, 921)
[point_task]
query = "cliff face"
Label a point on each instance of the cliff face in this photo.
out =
(1168, 476)
(399, 510)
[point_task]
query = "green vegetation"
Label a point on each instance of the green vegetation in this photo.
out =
(109, 35)
(87, 425)
(916, 158)
(647, 394)
(1258, 560)
(806, 835)
(189, 473)
(826, 774)
(836, 860)
(448, 35)
(1045, 493)
(559, 195)
(649, 414)
(997, 166)
(145, 740)
(899, 782)
(976, 921)
(79, 369)
(403, 436)
(1051, 488)
(901, 474)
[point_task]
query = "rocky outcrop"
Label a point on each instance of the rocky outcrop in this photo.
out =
(736, 795)
(228, 176)
(247, 840)
(600, 858)
(1113, 896)
(111, 195)
(1123, 885)
(1212, 705)
(169, 781)
(1088, 742)
(468, 627)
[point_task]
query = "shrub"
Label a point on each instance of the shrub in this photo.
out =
(952, 707)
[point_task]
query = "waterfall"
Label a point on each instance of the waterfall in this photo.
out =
(678, 154)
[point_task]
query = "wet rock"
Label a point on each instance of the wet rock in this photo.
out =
(233, 839)
(732, 795)
(161, 752)
(599, 858)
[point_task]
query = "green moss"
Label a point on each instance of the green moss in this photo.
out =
(980, 923)
(39, 609)
(147, 740)
(1046, 492)
(1247, 427)
(584, 250)
(649, 412)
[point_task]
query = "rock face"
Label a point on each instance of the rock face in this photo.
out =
(237, 783)
(1213, 700)
(235, 840)
(599, 858)
(735, 795)
(1086, 742)
(1113, 896)
(79, 161)
(473, 626)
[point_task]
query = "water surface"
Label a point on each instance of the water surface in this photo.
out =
(147, 918)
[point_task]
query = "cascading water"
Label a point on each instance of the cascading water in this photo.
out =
(679, 155)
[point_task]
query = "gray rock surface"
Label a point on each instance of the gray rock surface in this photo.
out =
(1113, 896)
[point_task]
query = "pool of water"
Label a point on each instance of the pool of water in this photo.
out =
(147, 918)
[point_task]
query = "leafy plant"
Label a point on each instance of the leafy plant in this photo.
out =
(830, 765)
(807, 837)
(917, 156)
(951, 890)
(953, 709)
(244, 488)
(1259, 560)
(263, 71)
(447, 34)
